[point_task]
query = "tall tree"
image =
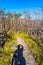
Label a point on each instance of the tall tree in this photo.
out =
(28, 22)
(16, 17)
(2, 14)
(2, 40)
(9, 16)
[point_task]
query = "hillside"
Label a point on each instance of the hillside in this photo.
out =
(11, 45)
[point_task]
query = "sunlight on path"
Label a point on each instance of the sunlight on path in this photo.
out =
(26, 52)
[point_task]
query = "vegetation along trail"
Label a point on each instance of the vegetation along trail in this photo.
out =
(26, 52)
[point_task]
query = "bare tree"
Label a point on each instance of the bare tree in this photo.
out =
(28, 22)
(16, 17)
(9, 16)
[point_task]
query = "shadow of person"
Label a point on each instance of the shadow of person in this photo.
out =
(18, 58)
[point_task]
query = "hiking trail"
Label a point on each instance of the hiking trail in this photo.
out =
(26, 52)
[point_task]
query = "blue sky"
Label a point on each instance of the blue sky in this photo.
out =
(17, 5)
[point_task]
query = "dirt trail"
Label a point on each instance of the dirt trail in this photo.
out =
(26, 52)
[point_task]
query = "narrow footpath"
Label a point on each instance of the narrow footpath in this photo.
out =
(26, 52)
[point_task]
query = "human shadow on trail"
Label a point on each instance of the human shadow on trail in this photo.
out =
(18, 58)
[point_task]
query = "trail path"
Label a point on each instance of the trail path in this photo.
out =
(26, 52)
